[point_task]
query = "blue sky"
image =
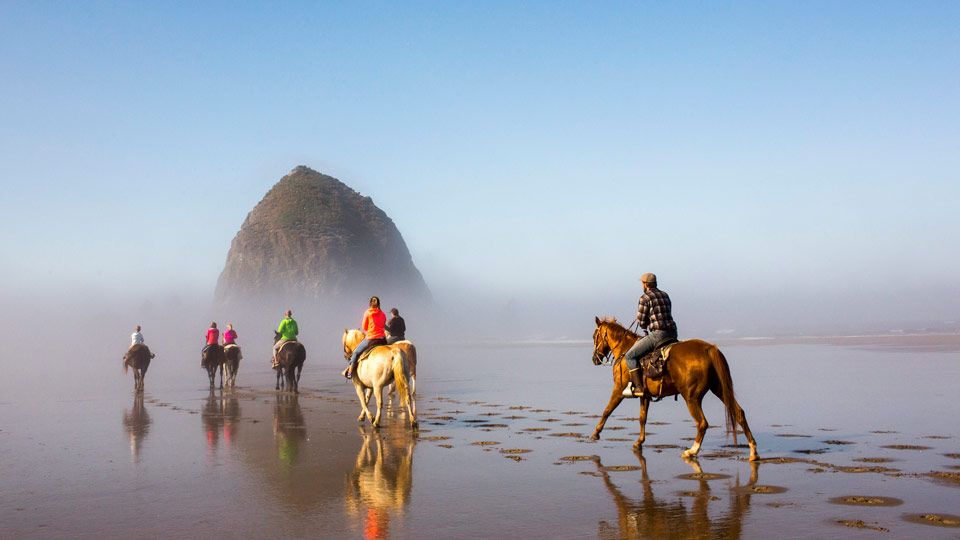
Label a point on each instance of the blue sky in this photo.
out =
(756, 152)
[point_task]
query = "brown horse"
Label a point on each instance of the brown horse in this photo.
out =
(231, 363)
(290, 361)
(212, 361)
(138, 357)
(694, 367)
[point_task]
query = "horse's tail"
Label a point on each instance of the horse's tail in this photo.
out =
(722, 369)
(400, 376)
(125, 363)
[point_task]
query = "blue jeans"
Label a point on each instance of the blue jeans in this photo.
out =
(363, 346)
(645, 346)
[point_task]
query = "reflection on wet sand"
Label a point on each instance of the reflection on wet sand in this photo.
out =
(136, 421)
(381, 480)
(221, 413)
(662, 518)
(289, 428)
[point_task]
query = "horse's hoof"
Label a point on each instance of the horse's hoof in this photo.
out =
(416, 425)
(595, 437)
(754, 457)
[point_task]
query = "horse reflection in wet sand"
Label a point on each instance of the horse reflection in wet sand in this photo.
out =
(289, 428)
(138, 357)
(694, 367)
(220, 415)
(136, 422)
(671, 518)
(381, 481)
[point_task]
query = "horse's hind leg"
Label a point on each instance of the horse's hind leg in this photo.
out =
(696, 411)
(741, 419)
(279, 378)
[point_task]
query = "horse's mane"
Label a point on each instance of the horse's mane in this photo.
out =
(616, 331)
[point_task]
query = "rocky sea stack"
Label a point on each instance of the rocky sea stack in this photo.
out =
(314, 238)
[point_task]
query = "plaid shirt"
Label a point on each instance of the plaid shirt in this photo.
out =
(654, 311)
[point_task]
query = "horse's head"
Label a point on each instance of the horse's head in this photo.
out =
(351, 338)
(276, 336)
(601, 345)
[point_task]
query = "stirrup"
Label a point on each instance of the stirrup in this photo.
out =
(628, 392)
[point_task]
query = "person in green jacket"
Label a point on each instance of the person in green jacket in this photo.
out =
(288, 332)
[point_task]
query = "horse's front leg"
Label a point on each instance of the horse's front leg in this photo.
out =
(615, 400)
(364, 396)
(279, 371)
(644, 407)
(221, 375)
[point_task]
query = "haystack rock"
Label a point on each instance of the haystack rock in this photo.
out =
(314, 238)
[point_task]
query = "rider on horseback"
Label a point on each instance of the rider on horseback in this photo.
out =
(288, 332)
(372, 327)
(213, 336)
(653, 314)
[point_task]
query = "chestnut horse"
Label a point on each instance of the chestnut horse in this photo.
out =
(212, 361)
(290, 361)
(138, 357)
(384, 365)
(694, 367)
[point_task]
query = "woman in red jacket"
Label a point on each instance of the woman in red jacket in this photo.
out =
(372, 326)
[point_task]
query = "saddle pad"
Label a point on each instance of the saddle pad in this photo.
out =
(232, 345)
(367, 352)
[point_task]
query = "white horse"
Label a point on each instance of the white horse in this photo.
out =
(354, 337)
(384, 365)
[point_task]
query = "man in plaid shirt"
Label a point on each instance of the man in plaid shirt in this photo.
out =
(653, 312)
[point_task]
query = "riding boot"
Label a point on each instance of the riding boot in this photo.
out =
(637, 381)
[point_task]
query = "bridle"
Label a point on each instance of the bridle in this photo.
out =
(604, 358)
(600, 357)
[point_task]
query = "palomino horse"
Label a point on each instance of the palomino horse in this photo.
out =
(212, 361)
(694, 367)
(290, 360)
(138, 357)
(385, 364)
(354, 337)
(231, 363)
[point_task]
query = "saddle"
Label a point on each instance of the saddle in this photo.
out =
(367, 352)
(655, 362)
(280, 350)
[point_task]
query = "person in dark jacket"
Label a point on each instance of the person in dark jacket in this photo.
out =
(395, 327)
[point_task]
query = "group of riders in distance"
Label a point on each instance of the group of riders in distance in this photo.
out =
(395, 368)
(648, 367)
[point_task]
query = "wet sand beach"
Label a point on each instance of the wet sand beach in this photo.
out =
(503, 451)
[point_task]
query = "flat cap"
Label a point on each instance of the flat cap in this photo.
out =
(648, 278)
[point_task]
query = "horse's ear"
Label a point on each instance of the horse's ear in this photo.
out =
(598, 320)
(345, 331)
